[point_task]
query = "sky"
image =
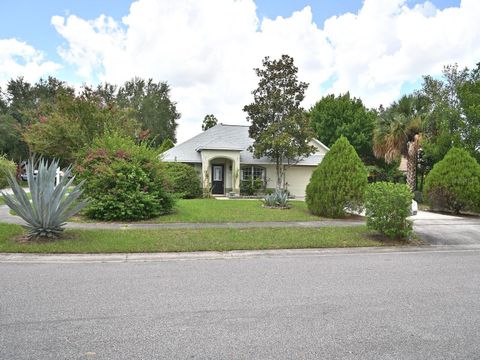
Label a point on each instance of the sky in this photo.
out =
(206, 49)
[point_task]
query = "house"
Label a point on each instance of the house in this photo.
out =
(222, 159)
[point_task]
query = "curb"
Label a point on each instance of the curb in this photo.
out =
(227, 255)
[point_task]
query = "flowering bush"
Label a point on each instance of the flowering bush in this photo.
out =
(125, 181)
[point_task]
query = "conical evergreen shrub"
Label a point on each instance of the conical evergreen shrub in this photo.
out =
(338, 183)
(454, 182)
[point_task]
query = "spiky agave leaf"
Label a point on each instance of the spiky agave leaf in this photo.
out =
(51, 205)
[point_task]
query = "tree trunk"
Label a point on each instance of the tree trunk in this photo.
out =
(412, 154)
(279, 174)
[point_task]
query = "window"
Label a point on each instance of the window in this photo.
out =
(217, 173)
(252, 173)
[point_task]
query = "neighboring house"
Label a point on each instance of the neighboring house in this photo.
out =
(221, 158)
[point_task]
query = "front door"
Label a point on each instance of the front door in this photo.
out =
(217, 179)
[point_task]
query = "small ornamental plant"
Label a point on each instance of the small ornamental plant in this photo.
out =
(454, 183)
(51, 204)
(276, 200)
(338, 183)
(387, 207)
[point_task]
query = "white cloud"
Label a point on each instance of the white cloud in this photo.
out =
(17, 58)
(207, 50)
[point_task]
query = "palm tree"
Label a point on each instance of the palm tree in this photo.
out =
(398, 133)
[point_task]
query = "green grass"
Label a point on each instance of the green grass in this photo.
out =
(163, 240)
(221, 211)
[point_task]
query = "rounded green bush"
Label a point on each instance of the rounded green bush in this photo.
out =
(184, 181)
(338, 183)
(6, 166)
(454, 183)
(124, 180)
(387, 207)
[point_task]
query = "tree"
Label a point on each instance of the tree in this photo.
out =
(338, 183)
(166, 145)
(151, 106)
(279, 128)
(453, 117)
(209, 121)
(332, 117)
(398, 133)
(73, 123)
(21, 105)
(454, 182)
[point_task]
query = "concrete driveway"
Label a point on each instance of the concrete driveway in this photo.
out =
(442, 229)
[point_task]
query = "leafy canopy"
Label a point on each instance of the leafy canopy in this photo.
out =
(279, 128)
(149, 103)
(338, 183)
(334, 116)
(72, 124)
(209, 121)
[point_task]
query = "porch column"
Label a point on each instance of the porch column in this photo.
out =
(206, 183)
(236, 173)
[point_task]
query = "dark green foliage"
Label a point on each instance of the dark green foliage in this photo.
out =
(454, 183)
(251, 186)
(24, 104)
(151, 106)
(338, 183)
(72, 124)
(334, 116)
(184, 182)
(125, 181)
(454, 116)
(387, 208)
(279, 127)
(382, 171)
(209, 121)
(6, 167)
(166, 145)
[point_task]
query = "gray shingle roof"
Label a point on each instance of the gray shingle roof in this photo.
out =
(227, 137)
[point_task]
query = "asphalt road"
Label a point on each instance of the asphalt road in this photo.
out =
(422, 305)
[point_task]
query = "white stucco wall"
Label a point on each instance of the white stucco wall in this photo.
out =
(229, 158)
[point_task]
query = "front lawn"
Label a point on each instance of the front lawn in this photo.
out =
(173, 240)
(220, 211)
(208, 210)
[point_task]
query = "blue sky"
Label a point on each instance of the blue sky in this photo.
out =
(206, 49)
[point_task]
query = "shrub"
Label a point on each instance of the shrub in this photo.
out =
(6, 167)
(251, 186)
(454, 183)
(183, 180)
(387, 207)
(51, 206)
(125, 181)
(338, 183)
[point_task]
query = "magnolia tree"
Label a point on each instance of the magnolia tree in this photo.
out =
(279, 127)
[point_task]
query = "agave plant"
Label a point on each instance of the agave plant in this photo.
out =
(51, 205)
(278, 199)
